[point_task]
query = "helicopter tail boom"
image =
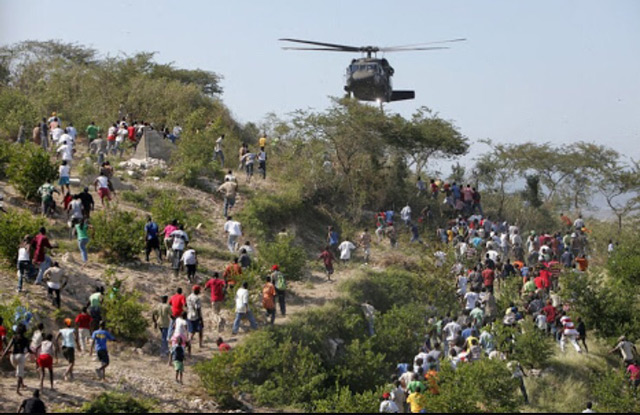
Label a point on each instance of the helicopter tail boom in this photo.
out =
(402, 95)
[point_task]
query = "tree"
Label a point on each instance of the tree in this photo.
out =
(620, 186)
(495, 170)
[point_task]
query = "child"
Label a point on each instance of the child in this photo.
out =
(177, 357)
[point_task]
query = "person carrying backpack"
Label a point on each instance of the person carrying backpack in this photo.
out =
(281, 287)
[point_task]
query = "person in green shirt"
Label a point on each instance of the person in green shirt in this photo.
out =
(416, 385)
(477, 314)
(82, 231)
(95, 308)
(529, 287)
(92, 133)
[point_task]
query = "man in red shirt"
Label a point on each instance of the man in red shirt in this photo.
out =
(550, 311)
(177, 303)
(40, 243)
(488, 276)
(3, 335)
(83, 323)
(216, 285)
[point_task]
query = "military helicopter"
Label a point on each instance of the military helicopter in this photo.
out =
(369, 78)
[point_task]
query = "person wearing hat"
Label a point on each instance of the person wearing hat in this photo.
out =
(387, 406)
(69, 337)
(280, 283)
(194, 316)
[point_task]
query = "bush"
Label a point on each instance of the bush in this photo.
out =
(8, 312)
(117, 403)
(219, 376)
(532, 347)
(118, 234)
(167, 207)
(343, 400)
(612, 392)
(483, 386)
(264, 213)
(123, 313)
(193, 158)
(16, 109)
(29, 168)
(14, 225)
(290, 258)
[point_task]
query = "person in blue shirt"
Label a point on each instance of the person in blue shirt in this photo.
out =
(333, 239)
(151, 238)
(99, 341)
(456, 191)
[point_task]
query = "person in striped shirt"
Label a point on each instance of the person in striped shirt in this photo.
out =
(569, 332)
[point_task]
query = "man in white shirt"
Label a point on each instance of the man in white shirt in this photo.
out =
(452, 331)
(180, 241)
(242, 309)
(345, 249)
(177, 131)
(71, 130)
(66, 152)
(234, 230)
(471, 298)
(217, 153)
(195, 323)
(405, 214)
(101, 185)
(56, 134)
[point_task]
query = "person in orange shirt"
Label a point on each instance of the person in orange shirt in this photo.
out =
(268, 295)
(566, 220)
(583, 263)
(232, 270)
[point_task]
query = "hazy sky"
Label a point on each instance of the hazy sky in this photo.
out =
(556, 71)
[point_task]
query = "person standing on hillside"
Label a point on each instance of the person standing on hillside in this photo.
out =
(46, 192)
(167, 231)
(333, 239)
(161, 317)
(45, 359)
(249, 159)
(262, 163)
(262, 142)
(180, 241)
(69, 337)
(190, 261)
(228, 189)
(241, 152)
(195, 322)
(95, 308)
(217, 286)
(345, 248)
(217, 152)
(44, 134)
(19, 346)
(151, 237)
(281, 287)
(627, 349)
(234, 230)
(35, 134)
(103, 186)
(176, 357)
(405, 214)
(568, 332)
(268, 296)
(242, 309)
(87, 202)
(177, 303)
(82, 232)
(99, 343)
(56, 280)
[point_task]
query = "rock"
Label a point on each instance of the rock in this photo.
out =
(68, 258)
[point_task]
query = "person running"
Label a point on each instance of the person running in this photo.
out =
(161, 317)
(190, 261)
(103, 186)
(242, 309)
(33, 405)
(46, 192)
(69, 337)
(92, 133)
(177, 358)
(82, 232)
(262, 163)
(228, 189)
(365, 243)
(56, 279)
(195, 323)
(87, 202)
(168, 241)
(64, 171)
(234, 229)
(95, 308)
(99, 343)
(83, 325)
(217, 286)
(268, 296)
(177, 303)
(345, 248)
(281, 287)
(45, 359)
(217, 153)
(582, 333)
(19, 347)
(180, 241)
(151, 238)
(627, 349)
(249, 159)
(327, 258)
(569, 332)
(24, 262)
(332, 239)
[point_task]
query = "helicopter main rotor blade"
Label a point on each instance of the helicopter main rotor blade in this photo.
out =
(387, 50)
(426, 43)
(345, 48)
(323, 49)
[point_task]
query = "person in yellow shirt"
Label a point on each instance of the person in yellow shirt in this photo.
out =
(262, 142)
(414, 401)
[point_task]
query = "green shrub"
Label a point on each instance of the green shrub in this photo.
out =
(16, 108)
(343, 400)
(117, 403)
(290, 258)
(193, 158)
(5, 157)
(14, 225)
(118, 234)
(29, 169)
(612, 392)
(167, 207)
(266, 212)
(219, 376)
(532, 347)
(123, 313)
(483, 386)
(7, 312)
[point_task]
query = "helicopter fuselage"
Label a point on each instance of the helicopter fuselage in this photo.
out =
(369, 79)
